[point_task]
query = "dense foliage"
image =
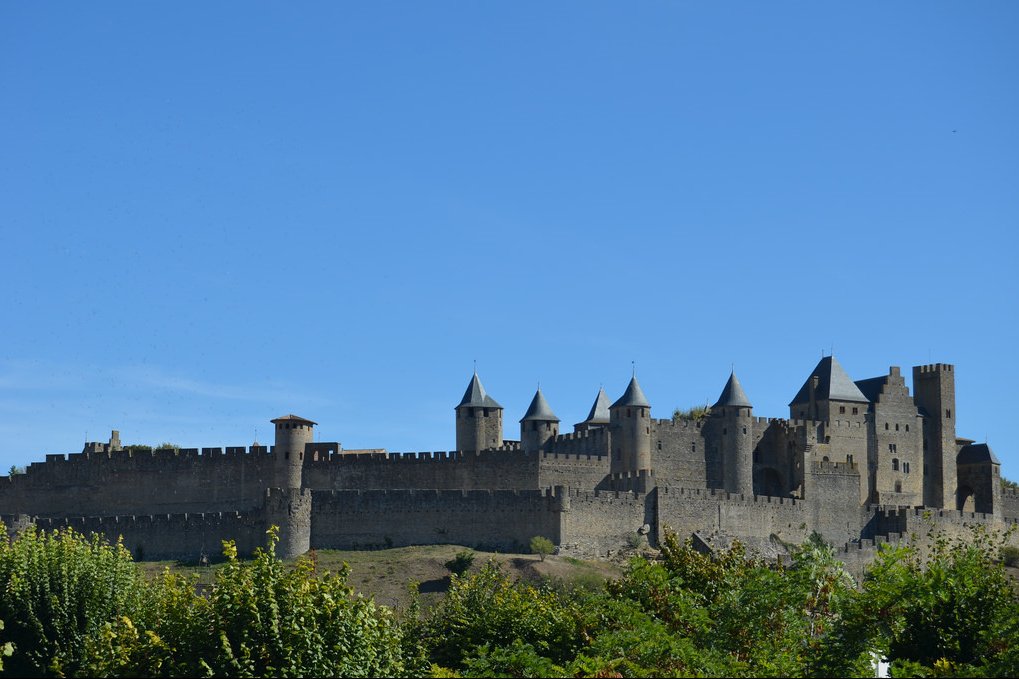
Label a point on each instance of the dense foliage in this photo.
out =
(76, 606)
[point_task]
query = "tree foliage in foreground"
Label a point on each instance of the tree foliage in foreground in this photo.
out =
(76, 606)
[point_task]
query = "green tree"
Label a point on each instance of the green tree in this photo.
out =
(695, 413)
(944, 610)
(461, 562)
(541, 546)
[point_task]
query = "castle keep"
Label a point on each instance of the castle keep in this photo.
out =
(859, 462)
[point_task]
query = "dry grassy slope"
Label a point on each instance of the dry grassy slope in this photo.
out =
(386, 573)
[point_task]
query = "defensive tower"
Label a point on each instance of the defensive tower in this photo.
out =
(539, 425)
(734, 417)
(478, 419)
(293, 433)
(934, 393)
(630, 427)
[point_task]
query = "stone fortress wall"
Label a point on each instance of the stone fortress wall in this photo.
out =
(849, 463)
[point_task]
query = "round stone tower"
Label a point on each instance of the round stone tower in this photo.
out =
(630, 427)
(292, 433)
(734, 424)
(478, 419)
(539, 425)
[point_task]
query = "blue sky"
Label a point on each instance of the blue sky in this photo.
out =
(214, 214)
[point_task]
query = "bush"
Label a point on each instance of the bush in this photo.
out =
(1010, 555)
(541, 546)
(461, 563)
(59, 589)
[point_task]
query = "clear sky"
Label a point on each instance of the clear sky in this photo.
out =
(212, 214)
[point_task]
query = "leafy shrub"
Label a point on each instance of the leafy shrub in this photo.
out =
(59, 589)
(461, 563)
(1010, 556)
(541, 546)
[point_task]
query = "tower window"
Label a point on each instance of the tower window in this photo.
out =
(948, 413)
(898, 486)
(849, 459)
(886, 426)
(905, 467)
(895, 464)
(896, 427)
(693, 447)
(891, 448)
(486, 412)
(842, 410)
(659, 445)
(856, 411)
(744, 430)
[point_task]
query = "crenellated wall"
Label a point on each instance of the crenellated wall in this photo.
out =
(131, 482)
(502, 520)
(686, 510)
(508, 469)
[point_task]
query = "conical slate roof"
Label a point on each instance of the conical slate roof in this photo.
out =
(475, 396)
(833, 384)
(599, 410)
(539, 410)
(633, 396)
(733, 394)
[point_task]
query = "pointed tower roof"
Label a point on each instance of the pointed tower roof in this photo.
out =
(733, 394)
(539, 410)
(475, 396)
(633, 396)
(599, 410)
(833, 384)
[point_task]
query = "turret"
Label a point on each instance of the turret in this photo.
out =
(734, 417)
(630, 426)
(934, 394)
(478, 419)
(599, 415)
(539, 425)
(293, 433)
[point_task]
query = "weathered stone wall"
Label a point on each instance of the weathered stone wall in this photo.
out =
(1010, 504)
(491, 470)
(503, 520)
(172, 536)
(686, 511)
(126, 482)
(595, 523)
(831, 497)
(573, 470)
(678, 453)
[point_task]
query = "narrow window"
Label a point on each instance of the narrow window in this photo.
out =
(693, 447)
(896, 426)
(856, 411)
(486, 412)
(842, 410)
(905, 467)
(895, 464)
(907, 427)
(886, 426)
(948, 413)
(898, 486)
(659, 445)
(849, 459)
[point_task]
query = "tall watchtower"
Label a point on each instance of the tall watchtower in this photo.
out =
(734, 420)
(293, 433)
(934, 394)
(630, 428)
(478, 419)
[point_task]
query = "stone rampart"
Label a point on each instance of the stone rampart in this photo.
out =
(1010, 503)
(597, 523)
(157, 537)
(503, 520)
(688, 510)
(489, 469)
(134, 482)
